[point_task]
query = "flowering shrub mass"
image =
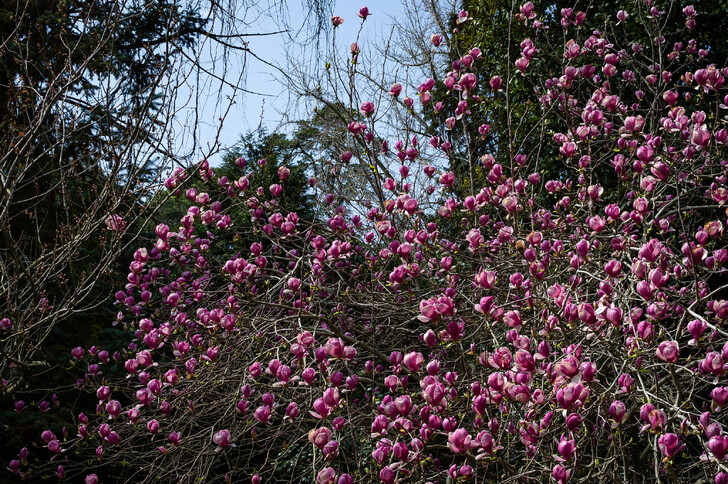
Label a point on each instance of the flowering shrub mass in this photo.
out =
(510, 327)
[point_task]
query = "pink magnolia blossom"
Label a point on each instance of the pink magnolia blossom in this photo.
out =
(617, 411)
(222, 439)
(326, 475)
(670, 445)
(718, 445)
(114, 222)
(459, 441)
(363, 13)
(561, 474)
(413, 360)
(668, 351)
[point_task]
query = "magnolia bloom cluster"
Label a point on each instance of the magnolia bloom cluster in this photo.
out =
(514, 323)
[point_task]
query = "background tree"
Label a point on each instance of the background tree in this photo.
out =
(272, 158)
(90, 96)
(81, 102)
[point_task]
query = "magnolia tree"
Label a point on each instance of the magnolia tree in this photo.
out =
(536, 329)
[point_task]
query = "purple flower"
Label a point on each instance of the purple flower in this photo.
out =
(668, 351)
(718, 445)
(262, 414)
(669, 444)
(566, 449)
(221, 438)
(175, 438)
(459, 441)
(292, 410)
(412, 361)
(114, 222)
(617, 410)
(363, 13)
(719, 396)
(320, 436)
(386, 475)
(367, 109)
(561, 474)
(326, 475)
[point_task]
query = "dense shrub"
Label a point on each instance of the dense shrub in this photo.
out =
(556, 331)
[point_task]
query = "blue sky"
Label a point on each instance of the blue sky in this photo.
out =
(263, 109)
